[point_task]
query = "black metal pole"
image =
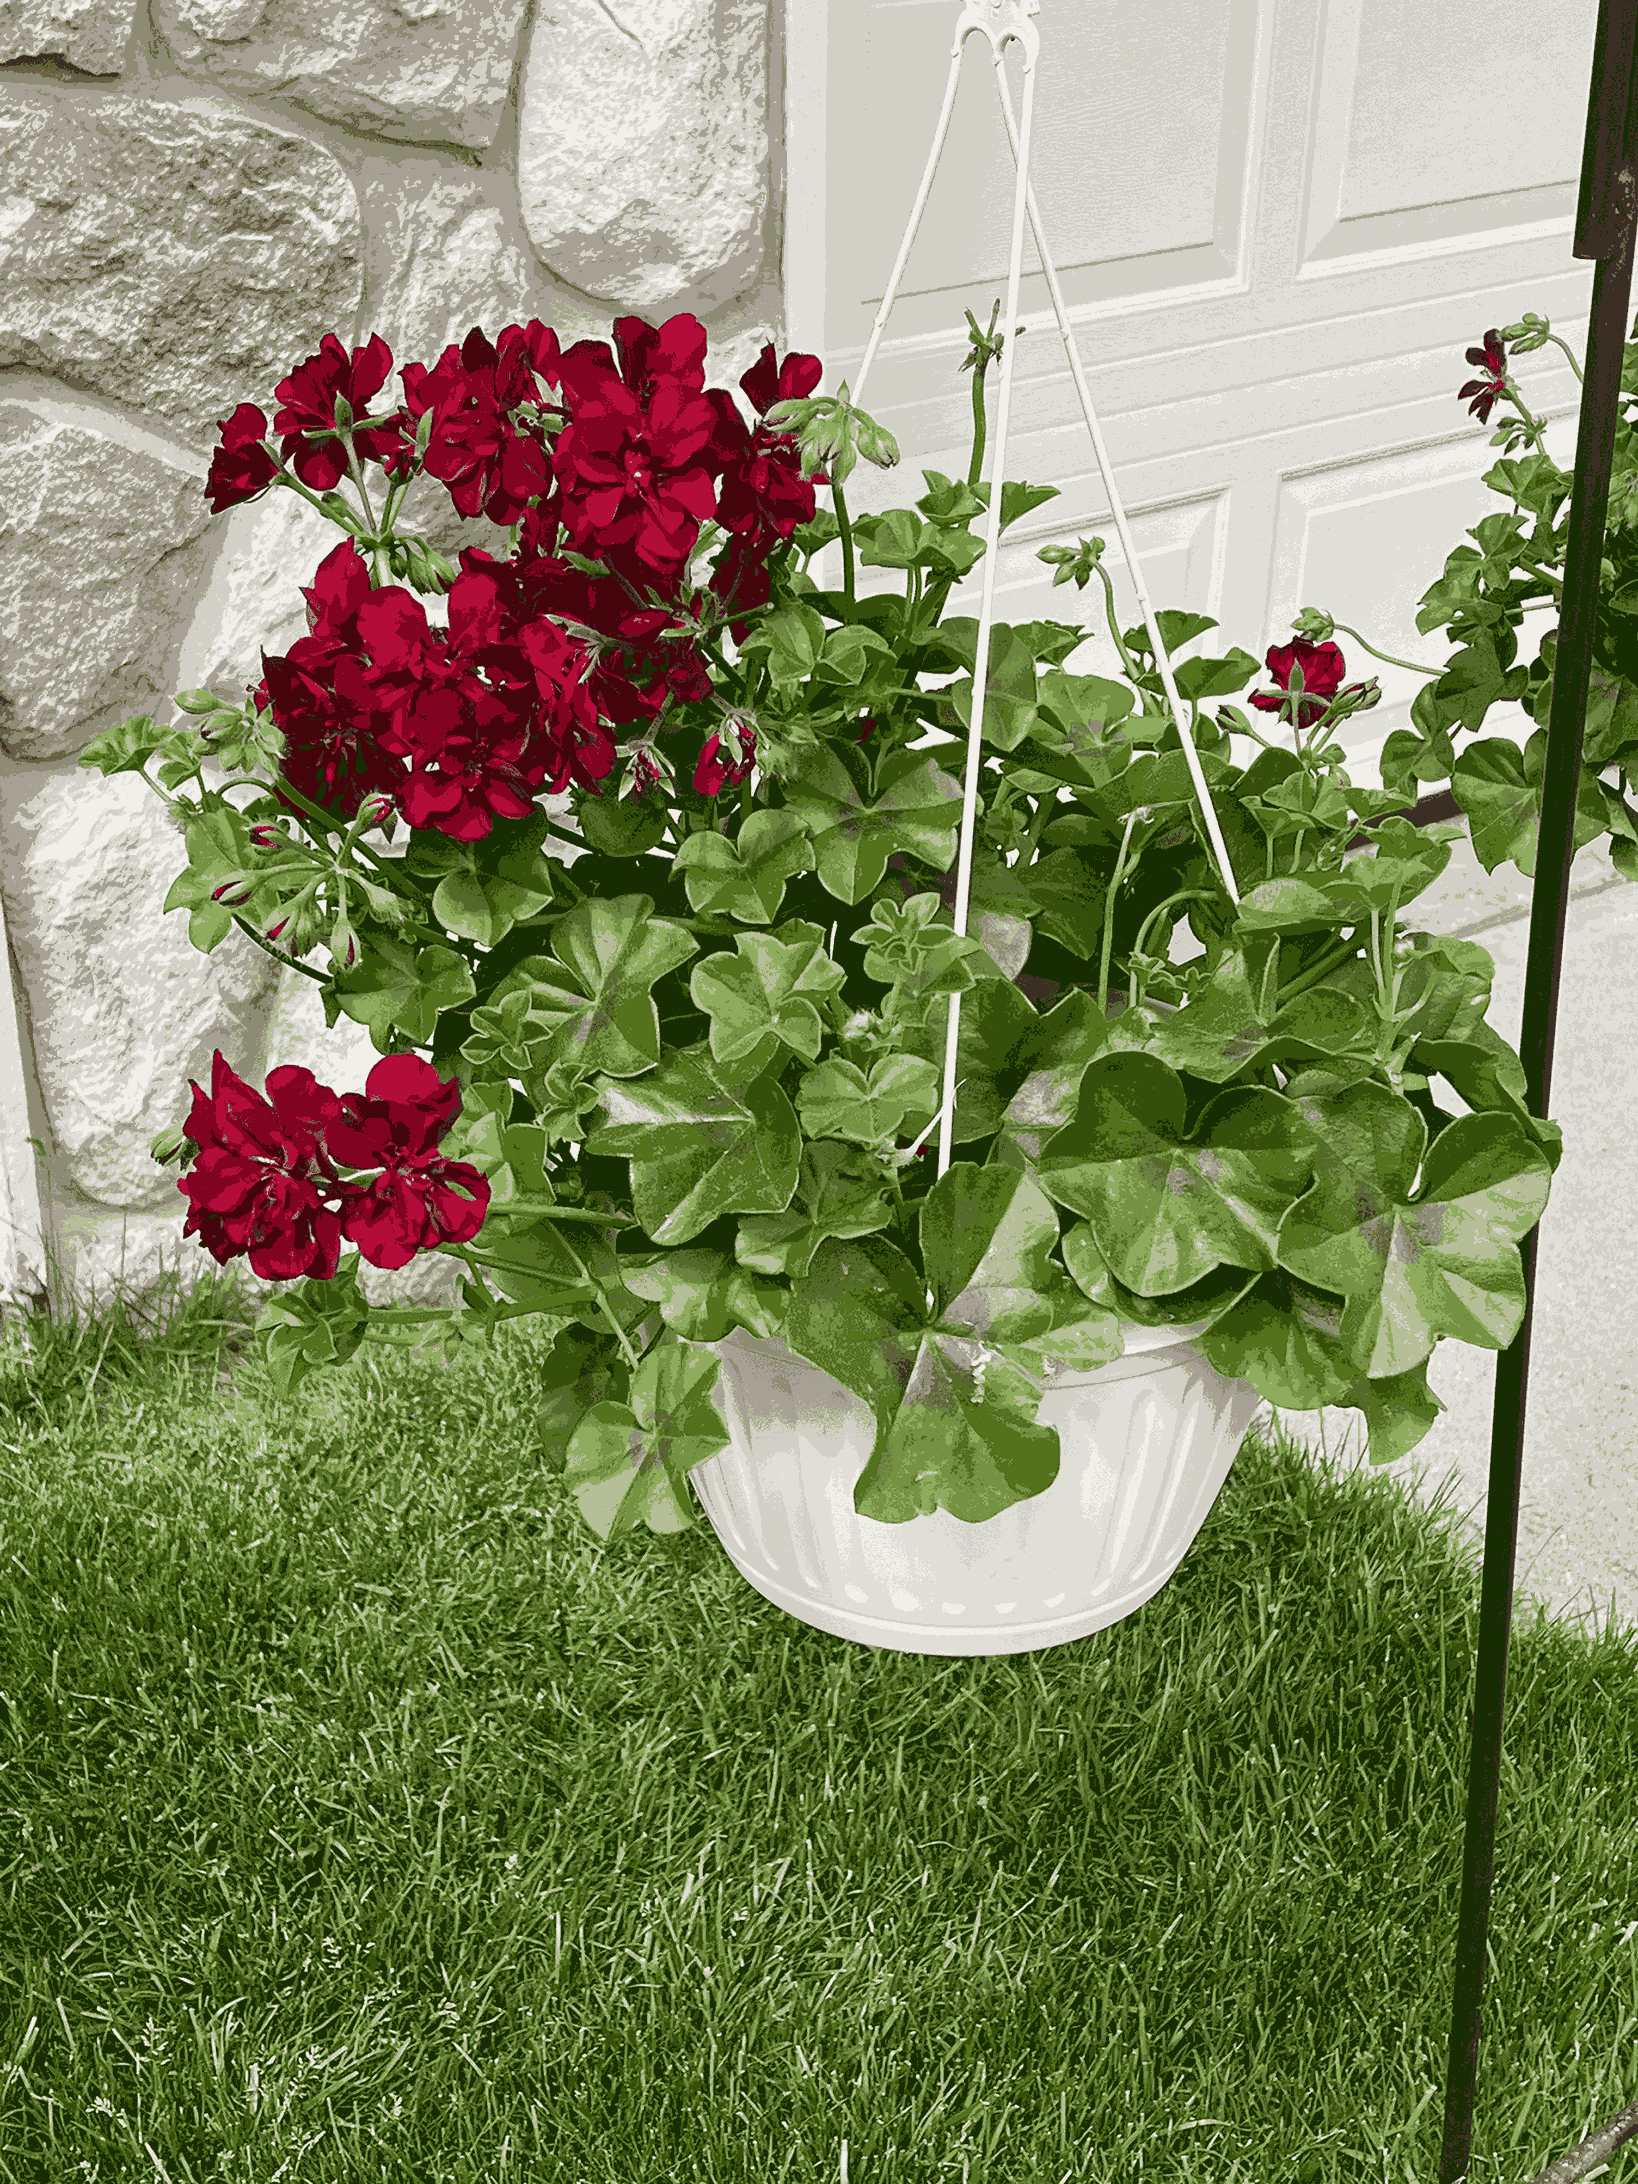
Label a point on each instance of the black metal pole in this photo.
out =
(1604, 231)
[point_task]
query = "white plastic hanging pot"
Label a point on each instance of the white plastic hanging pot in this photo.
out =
(1146, 1441)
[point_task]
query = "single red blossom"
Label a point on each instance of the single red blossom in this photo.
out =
(340, 586)
(241, 466)
(652, 354)
(490, 463)
(1322, 672)
(309, 399)
(469, 758)
(634, 475)
(417, 1201)
(262, 1183)
(762, 488)
(335, 724)
(718, 768)
(1492, 360)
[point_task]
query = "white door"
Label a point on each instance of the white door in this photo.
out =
(1278, 224)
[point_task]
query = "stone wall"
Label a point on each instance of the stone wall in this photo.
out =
(192, 193)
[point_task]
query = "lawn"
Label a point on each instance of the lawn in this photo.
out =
(362, 1818)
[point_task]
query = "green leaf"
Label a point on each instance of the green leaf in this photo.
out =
(1475, 679)
(1489, 1075)
(484, 907)
(699, 1148)
(558, 1267)
(954, 1384)
(1286, 1339)
(1069, 890)
(629, 1462)
(624, 826)
(593, 1006)
(701, 1295)
(1415, 1264)
(319, 1324)
(1221, 1034)
(766, 996)
(743, 876)
(1164, 1211)
(837, 1100)
(128, 748)
(837, 1194)
(1206, 1300)
(917, 810)
(996, 1018)
(1499, 787)
(403, 985)
(1205, 678)
(580, 1371)
(1017, 498)
(793, 638)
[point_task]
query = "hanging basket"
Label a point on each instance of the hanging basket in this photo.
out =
(1147, 1442)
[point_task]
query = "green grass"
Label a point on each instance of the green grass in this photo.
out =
(361, 1819)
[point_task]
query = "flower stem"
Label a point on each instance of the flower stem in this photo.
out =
(846, 529)
(1415, 666)
(1109, 915)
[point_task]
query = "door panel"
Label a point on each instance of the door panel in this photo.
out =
(1277, 225)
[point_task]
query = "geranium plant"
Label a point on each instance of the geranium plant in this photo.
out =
(664, 1059)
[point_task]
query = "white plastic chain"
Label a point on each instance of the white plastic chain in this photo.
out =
(1004, 22)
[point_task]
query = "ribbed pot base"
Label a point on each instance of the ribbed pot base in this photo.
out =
(1146, 1444)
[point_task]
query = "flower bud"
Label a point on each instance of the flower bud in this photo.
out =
(237, 888)
(170, 1145)
(1314, 624)
(266, 835)
(344, 943)
(377, 808)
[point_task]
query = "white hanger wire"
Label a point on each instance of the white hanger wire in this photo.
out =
(1004, 22)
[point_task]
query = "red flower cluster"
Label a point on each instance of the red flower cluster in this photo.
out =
(461, 726)
(266, 1182)
(510, 700)
(1492, 359)
(1322, 667)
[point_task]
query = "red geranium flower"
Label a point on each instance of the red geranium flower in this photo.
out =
(262, 1183)
(718, 766)
(632, 473)
(335, 726)
(266, 1180)
(241, 466)
(1322, 672)
(415, 1203)
(489, 464)
(309, 398)
(1492, 359)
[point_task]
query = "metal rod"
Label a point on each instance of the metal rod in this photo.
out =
(1593, 2152)
(986, 610)
(1609, 198)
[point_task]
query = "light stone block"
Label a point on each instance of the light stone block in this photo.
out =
(418, 71)
(643, 149)
(102, 549)
(87, 34)
(166, 250)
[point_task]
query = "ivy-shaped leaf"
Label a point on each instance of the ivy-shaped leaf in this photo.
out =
(954, 1385)
(701, 1295)
(838, 1100)
(1499, 787)
(743, 876)
(1165, 1211)
(1286, 1339)
(916, 809)
(593, 1006)
(837, 1194)
(629, 1462)
(699, 1148)
(1415, 1261)
(403, 985)
(767, 996)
